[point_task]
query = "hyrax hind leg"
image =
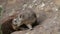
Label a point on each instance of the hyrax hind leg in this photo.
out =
(29, 26)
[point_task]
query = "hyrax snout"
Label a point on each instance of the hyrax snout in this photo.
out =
(24, 17)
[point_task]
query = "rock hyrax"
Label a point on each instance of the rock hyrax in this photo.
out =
(24, 17)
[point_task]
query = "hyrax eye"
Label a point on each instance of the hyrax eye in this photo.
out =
(15, 21)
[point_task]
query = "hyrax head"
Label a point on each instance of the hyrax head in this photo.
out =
(16, 21)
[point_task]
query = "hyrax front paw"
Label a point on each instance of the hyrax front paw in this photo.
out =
(29, 26)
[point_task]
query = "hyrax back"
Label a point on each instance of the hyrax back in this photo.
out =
(26, 17)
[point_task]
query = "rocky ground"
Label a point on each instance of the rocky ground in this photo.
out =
(47, 11)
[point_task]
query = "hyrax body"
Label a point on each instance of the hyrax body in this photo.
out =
(25, 17)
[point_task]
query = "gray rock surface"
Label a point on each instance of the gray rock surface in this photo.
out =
(47, 11)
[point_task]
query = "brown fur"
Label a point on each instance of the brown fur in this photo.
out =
(7, 24)
(26, 17)
(7, 28)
